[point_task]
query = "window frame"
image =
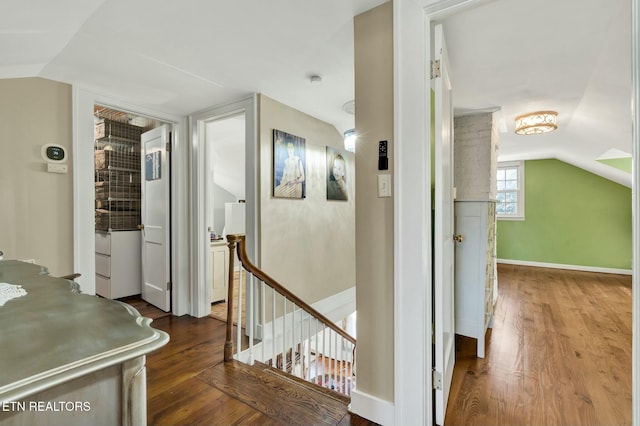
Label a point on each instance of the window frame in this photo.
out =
(519, 166)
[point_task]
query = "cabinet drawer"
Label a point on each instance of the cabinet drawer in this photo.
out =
(103, 286)
(103, 243)
(103, 265)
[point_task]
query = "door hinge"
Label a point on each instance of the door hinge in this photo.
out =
(437, 380)
(169, 285)
(168, 147)
(435, 69)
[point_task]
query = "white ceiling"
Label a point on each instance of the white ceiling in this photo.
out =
(571, 56)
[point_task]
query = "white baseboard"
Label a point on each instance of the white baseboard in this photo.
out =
(569, 267)
(372, 408)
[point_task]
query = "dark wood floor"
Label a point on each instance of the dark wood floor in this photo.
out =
(189, 384)
(559, 353)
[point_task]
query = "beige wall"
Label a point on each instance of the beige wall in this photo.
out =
(36, 209)
(374, 216)
(306, 244)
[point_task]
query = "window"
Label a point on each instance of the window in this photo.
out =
(510, 193)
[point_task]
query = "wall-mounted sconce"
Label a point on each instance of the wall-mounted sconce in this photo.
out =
(350, 140)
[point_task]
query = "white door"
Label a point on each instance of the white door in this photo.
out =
(156, 213)
(444, 303)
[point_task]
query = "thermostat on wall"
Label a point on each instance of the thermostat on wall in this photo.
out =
(54, 153)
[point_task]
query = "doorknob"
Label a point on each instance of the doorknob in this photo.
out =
(458, 238)
(141, 226)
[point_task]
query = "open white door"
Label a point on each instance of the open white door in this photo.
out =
(444, 303)
(156, 286)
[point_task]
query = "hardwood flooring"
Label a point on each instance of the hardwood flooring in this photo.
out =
(559, 353)
(189, 384)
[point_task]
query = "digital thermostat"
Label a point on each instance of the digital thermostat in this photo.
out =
(54, 153)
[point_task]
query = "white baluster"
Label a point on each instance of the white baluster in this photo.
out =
(293, 337)
(250, 315)
(284, 334)
(263, 317)
(273, 329)
(239, 301)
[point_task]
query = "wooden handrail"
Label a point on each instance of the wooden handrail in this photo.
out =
(239, 241)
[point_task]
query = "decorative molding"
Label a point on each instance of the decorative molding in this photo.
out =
(372, 408)
(569, 267)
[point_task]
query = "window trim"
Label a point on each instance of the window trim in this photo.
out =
(521, 194)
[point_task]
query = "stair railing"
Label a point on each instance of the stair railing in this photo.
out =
(282, 330)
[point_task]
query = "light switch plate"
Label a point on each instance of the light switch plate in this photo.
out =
(384, 185)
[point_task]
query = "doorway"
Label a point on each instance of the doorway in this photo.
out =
(411, 59)
(224, 160)
(226, 214)
(129, 258)
(84, 236)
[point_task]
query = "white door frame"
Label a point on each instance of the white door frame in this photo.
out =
(412, 264)
(84, 192)
(201, 293)
(635, 186)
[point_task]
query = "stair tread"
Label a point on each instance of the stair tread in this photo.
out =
(312, 387)
(258, 385)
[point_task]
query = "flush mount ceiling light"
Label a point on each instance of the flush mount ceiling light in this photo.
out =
(349, 107)
(536, 122)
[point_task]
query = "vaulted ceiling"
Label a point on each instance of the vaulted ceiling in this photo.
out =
(569, 56)
(179, 57)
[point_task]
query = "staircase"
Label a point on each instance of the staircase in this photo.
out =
(265, 388)
(283, 333)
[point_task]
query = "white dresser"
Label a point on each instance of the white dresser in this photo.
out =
(118, 264)
(219, 253)
(475, 271)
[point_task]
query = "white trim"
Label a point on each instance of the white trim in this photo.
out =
(562, 266)
(372, 408)
(443, 8)
(83, 193)
(412, 227)
(635, 208)
(200, 243)
(338, 306)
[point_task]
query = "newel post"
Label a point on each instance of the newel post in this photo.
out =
(228, 344)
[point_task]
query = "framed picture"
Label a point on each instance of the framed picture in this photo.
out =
(337, 175)
(289, 162)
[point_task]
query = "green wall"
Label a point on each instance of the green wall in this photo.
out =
(572, 217)
(623, 164)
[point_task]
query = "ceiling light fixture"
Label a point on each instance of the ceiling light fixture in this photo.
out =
(315, 79)
(536, 122)
(349, 107)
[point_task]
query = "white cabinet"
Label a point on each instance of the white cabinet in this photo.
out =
(219, 270)
(118, 259)
(475, 271)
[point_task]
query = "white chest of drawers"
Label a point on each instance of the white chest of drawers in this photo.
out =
(118, 264)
